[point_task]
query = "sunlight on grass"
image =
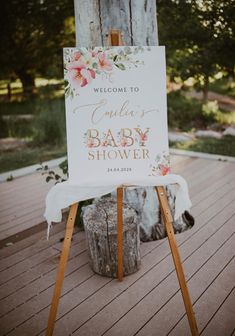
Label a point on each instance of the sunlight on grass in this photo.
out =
(58, 93)
(16, 86)
(43, 82)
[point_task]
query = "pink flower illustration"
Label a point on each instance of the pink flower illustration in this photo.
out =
(124, 142)
(79, 75)
(143, 137)
(104, 143)
(76, 56)
(104, 62)
(90, 143)
(83, 65)
(164, 170)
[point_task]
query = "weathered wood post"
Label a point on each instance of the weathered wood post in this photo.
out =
(136, 19)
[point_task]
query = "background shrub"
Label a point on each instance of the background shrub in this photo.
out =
(49, 124)
(183, 113)
(3, 128)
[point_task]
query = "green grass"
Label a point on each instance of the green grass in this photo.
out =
(223, 146)
(45, 129)
(33, 106)
(185, 113)
(47, 124)
(43, 85)
(28, 156)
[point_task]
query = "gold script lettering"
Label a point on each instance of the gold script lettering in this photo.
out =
(98, 113)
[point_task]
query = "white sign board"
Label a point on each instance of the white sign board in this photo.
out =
(116, 114)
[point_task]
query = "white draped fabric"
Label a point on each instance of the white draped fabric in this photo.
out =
(65, 194)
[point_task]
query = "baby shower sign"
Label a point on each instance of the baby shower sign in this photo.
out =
(116, 114)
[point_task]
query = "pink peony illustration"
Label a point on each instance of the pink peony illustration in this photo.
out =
(78, 75)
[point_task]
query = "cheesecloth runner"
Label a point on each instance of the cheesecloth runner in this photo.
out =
(65, 194)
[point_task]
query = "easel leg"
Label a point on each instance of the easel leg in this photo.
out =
(176, 257)
(61, 269)
(119, 234)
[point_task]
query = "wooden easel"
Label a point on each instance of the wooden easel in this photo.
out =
(115, 39)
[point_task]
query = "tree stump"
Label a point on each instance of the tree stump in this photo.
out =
(100, 223)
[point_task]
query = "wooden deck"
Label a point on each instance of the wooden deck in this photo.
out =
(22, 204)
(146, 303)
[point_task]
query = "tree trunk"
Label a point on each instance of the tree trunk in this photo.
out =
(100, 223)
(136, 19)
(28, 82)
(205, 89)
(9, 91)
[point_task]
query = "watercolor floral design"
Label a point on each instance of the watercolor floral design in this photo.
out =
(142, 138)
(106, 141)
(82, 65)
(161, 166)
(124, 141)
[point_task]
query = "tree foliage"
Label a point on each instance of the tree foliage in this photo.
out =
(199, 36)
(32, 35)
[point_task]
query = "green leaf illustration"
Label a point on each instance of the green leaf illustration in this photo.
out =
(120, 66)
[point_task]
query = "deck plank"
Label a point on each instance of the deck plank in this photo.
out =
(22, 203)
(223, 323)
(210, 300)
(40, 284)
(29, 241)
(41, 269)
(198, 283)
(28, 251)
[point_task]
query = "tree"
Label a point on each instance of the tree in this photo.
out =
(199, 36)
(32, 35)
